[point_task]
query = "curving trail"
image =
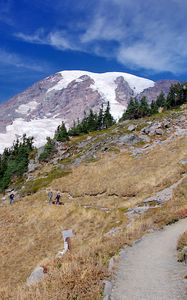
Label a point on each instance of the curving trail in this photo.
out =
(149, 270)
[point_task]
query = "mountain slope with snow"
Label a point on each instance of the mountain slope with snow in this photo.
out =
(65, 96)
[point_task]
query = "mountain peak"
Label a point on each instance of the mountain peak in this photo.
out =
(65, 96)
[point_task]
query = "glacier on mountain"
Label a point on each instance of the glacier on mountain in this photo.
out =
(39, 129)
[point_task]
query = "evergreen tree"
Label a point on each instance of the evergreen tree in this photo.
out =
(161, 100)
(73, 130)
(92, 121)
(175, 96)
(61, 134)
(132, 111)
(14, 161)
(49, 150)
(83, 125)
(153, 108)
(100, 119)
(108, 120)
(144, 109)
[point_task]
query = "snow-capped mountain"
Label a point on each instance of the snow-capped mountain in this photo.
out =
(65, 96)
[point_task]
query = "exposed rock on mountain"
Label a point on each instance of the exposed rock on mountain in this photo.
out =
(152, 92)
(65, 96)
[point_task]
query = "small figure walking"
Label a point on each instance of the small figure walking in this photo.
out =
(58, 196)
(50, 197)
(11, 198)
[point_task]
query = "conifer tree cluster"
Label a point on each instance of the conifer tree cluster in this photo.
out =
(49, 150)
(137, 109)
(93, 121)
(61, 134)
(14, 161)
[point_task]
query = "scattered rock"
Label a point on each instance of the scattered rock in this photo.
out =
(145, 138)
(165, 194)
(112, 263)
(183, 162)
(159, 131)
(152, 129)
(166, 124)
(137, 151)
(113, 231)
(183, 106)
(131, 127)
(137, 210)
(36, 276)
(161, 109)
(32, 165)
(129, 139)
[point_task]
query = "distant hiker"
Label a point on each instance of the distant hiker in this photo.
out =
(50, 197)
(11, 198)
(58, 196)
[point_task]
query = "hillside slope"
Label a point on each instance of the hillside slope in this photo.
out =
(108, 174)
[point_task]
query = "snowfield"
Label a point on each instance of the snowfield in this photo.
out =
(105, 84)
(39, 129)
(26, 108)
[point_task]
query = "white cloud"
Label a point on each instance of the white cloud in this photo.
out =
(56, 39)
(149, 34)
(145, 56)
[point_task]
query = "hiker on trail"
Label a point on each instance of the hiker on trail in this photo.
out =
(11, 198)
(50, 197)
(58, 196)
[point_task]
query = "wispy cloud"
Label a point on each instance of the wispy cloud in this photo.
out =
(148, 35)
(57, 39)
(16, 61)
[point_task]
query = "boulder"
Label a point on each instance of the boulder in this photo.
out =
(113, 262)
(129, 139)
(145, 138)
(166, 124)
(154, 128)
(183, 162)
(131, 127)
(36, 276)
(159, 131)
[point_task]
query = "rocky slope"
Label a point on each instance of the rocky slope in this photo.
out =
(65, 96)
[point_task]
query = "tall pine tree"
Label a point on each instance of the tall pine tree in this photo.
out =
(108, 119)
(61, 134)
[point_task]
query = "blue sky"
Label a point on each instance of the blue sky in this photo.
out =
(40, 37)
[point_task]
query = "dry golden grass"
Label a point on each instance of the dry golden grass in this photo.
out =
(30, 231)
(172, 210)
(125, 176)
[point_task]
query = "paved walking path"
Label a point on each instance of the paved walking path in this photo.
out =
(149, 270)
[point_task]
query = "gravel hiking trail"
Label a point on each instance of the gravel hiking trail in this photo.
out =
(149, 269)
